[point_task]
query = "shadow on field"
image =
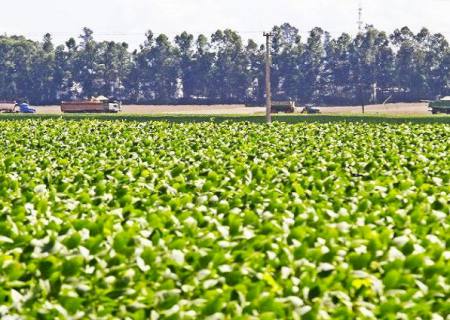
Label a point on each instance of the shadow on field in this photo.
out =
(256, 119)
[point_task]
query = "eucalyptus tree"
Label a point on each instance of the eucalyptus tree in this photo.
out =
(155, 70)
(86, 67)
(114, 63)
(202, 65)
(16, 59)
(433, 49)
(410, 82)
(229, 81)
(255, 72)
(372, 59)
(43, 88)
(225, 69)
(384, 66)
(185, 54)
(287, 76)
(311, 62)
(337, 71)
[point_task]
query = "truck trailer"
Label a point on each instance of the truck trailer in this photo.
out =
(91, 106)
(8, 107)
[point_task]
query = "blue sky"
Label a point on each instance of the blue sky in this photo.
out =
(127, 20)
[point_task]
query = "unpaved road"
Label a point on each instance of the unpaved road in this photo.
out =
(172, 109)
(388, 109)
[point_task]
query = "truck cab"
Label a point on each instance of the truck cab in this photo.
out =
(26, 108)
(113, 106)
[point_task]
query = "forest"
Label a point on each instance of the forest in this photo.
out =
(371, 67)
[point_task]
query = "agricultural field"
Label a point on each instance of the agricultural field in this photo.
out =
(113, 219)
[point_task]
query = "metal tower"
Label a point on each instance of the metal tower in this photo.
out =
(360, 21)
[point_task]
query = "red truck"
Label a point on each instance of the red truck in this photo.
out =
(95, 105)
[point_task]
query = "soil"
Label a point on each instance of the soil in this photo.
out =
(388, 109)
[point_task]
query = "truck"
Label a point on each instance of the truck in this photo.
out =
(14, 107)
(8, 107)
(94, 105)
(283, 106)
(440, 106)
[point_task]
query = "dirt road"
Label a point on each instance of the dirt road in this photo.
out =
(172, 109)
(388, 109)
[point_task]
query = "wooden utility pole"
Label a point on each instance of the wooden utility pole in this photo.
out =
(268, 82)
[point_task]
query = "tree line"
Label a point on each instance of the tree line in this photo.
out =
(372, 66)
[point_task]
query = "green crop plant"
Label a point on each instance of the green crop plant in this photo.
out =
(157, 220)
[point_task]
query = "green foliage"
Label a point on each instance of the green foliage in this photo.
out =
(402, 66)
(233, 220)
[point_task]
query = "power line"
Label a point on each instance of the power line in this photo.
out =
(130, 34)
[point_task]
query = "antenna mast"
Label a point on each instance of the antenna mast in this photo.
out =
(360, 21)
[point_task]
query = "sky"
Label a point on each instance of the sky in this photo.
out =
(128, 20)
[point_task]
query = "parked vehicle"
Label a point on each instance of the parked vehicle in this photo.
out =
(95, 105)
(283, 106)
(440, 106)
(14, 107)
(310, 109)
(8, 107)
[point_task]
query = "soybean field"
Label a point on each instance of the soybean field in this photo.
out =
(114, 219)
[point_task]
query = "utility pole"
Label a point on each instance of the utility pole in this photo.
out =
(360, 32)
(268, 82)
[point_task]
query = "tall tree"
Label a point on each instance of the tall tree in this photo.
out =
(202, 65)
(311, 61)
(287, 74)
(185, 51)
(156, 70)
(370, 66)
(229, 80)
(86, 64)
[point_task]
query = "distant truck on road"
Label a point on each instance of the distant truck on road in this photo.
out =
(440, 106)
(283, 106)
(95, 105)
(14, 107)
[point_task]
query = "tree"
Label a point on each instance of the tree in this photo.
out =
(114, 63)
(202, 65)
(42, 70)
(185, 51)
(229, 81)
(337, 72)
(156, 70)
(255, 69)
(411, 83)
(86, 65)
(311, 62)
(369, 67)
(287, 75)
